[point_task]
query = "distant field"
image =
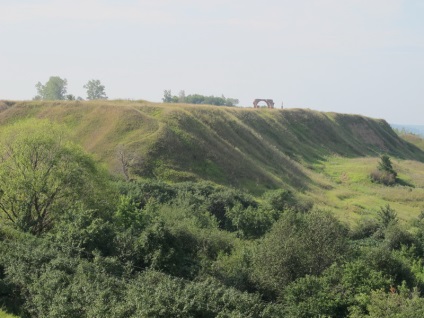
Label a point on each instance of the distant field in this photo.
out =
(414, 129)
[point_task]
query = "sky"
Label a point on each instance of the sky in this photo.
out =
(348, 56)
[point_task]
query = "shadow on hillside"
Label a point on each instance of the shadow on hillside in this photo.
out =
(404, 183)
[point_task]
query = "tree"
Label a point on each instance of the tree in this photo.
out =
(182, 96)
(385, 165)
(41, 175)
(54, 89)
(95, 90)
(231, 101)
(386, 216)
(384, 173)
(298, 244)
(167, 96)
(198, 99)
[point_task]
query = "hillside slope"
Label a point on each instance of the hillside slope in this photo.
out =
(251, 148)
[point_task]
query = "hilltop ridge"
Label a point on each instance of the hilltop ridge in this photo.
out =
(250, 148)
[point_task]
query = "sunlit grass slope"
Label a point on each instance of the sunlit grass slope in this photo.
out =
(6, 315)
(349, 193)
(255, 149)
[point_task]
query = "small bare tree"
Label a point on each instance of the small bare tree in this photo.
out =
(126, 160)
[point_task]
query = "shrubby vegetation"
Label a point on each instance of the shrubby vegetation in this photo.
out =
(385, 173)
(198, 99)
(75, 243)
(43, 174)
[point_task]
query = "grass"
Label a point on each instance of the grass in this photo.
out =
(350, 194)
(4, 314)
(326, 156)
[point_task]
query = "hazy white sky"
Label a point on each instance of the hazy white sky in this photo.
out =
(349, 56)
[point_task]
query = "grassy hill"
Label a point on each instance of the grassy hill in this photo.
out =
(326, 156)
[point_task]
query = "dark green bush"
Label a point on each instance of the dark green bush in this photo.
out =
(298, 244)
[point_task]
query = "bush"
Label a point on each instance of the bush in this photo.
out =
(385, 174)
(403, 304)
(298, 244)
(154, 294)
(383, 177)
(364, 229)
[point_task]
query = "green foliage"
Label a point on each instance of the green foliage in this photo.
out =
(234, 269)
(385, 164)
(419, 236)
(249, 222)
(127, 213)
(365, 228)
(53, 283)
(298, 245)
(334, 292)
(54, 89)
(179, 237)
(386, 216)
(142, 192)
(167, 96)
(221, 201)
(163, 253)
(43, 174)
(198, 99)
(203, 250)
(382, 259)
(84, 233)
(156, 295)
(396, 237)
(95, 90)
(169, 250)
(70, 97)
(385, 174)
(399, 303)
(280, 200)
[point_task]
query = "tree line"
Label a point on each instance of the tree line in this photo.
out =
(198, 99)
(56, 89)
(77, 242)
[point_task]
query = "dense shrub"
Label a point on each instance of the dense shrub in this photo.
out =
(154, 294)
(399, 302)
(364, 229)
(298, 245)
(383, 177)
(51, 283)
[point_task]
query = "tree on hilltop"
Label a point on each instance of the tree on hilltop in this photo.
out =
(54, 89)
(95, 90)
(198, 99)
